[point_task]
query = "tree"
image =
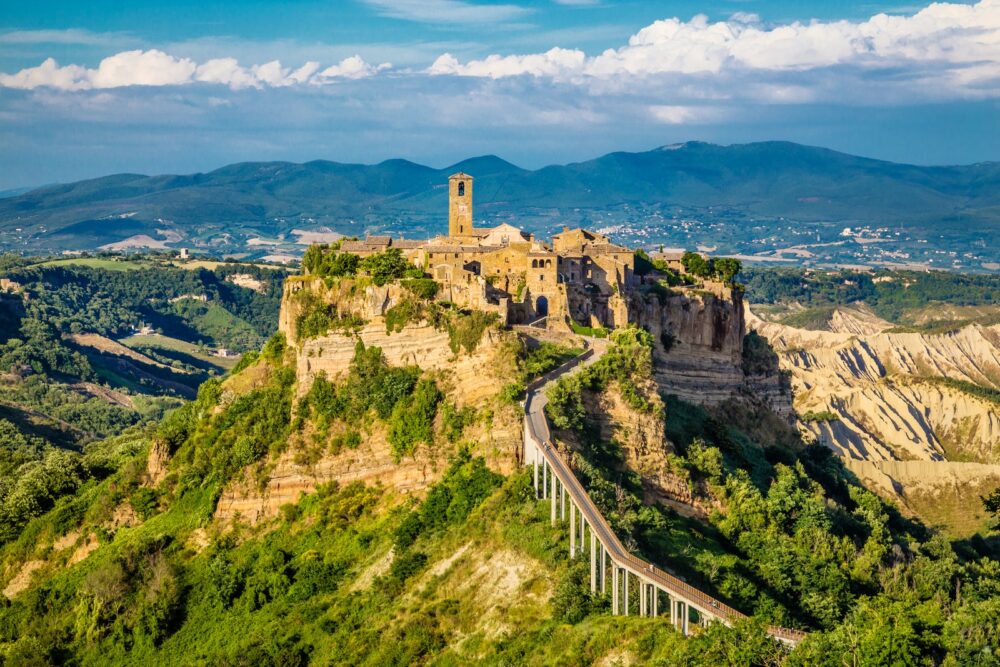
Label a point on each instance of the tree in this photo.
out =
(992, 504)
(696, 265)
(384, 267)
(726, 268)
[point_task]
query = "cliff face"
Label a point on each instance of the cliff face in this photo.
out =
(646, 449)
(499, 441)
(699, 342)
(467, 379)
(883, 391)
(699, 348)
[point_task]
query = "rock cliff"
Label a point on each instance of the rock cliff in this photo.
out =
(698, 356)
(468, 379)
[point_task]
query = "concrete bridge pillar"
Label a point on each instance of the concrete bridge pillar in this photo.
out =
(593, 562)
(552, 497)
(572, 530)
(534, 467)
(545, 478)
(642, 598)
(679, 616)
(656, 601)
(604, 570)
(614, 589)
(625, 572)
(562, 503)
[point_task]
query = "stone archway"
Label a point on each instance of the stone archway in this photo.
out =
(542, 306)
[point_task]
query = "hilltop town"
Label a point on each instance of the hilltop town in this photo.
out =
(581, 279)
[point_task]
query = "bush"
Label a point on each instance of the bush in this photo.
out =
(144, 501)
(412, 419)
(406, 565)
(422, 288)
(819, 417)
(385, 267)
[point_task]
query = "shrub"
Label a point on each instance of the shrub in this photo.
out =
(819, 417)
(274, 349)
(412, 420)
(404, 312)
(385, 267)
(144, 501)
(466, 330)
(422, 288)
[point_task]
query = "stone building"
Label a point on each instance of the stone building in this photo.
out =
(581, 277)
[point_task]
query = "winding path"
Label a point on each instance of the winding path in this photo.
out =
(554, 480)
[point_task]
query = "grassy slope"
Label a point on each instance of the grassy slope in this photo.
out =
(176, 345)
(99, 263)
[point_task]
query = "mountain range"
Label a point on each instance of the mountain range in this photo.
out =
(253, 200)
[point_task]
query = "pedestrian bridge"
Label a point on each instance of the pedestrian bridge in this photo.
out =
(636, 585)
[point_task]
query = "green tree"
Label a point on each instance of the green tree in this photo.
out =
(696, 265)
(726, 268)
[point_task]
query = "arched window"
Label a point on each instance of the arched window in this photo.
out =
(534, 263)
(461, 188)
(548, 262)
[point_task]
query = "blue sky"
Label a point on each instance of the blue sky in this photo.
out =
(157, 87)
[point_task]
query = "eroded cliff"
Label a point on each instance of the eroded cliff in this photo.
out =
(886, 396)
(469, 380)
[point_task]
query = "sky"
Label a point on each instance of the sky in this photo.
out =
(99, 87)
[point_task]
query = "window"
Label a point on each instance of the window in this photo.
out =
(461, 188)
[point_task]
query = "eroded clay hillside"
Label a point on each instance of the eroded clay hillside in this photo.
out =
(878, 397)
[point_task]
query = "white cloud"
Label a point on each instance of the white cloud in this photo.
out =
(671, 114)
(445, 11)
(553, 63)
(156, 68)
(350, 68)
(141, 68)
(954, 46)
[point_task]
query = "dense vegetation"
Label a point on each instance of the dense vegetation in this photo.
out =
(891, 294)
(75, 299)
(62, 382)
(384, 267)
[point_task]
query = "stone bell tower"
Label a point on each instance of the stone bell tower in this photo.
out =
(459, 204)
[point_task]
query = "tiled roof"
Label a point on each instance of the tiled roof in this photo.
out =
(408, 244)
(354, 246)
(464, 249)
(378, 240)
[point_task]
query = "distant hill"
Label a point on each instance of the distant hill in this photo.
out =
(223, 208)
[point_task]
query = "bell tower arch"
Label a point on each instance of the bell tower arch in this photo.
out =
(459, 204)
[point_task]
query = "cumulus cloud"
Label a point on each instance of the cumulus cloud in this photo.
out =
(553, 63)
(350, 68)
(952, 44)
(156, 68)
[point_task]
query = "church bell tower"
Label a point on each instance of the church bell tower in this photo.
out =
(459, 204)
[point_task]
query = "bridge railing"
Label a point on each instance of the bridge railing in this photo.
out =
(606, 535)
